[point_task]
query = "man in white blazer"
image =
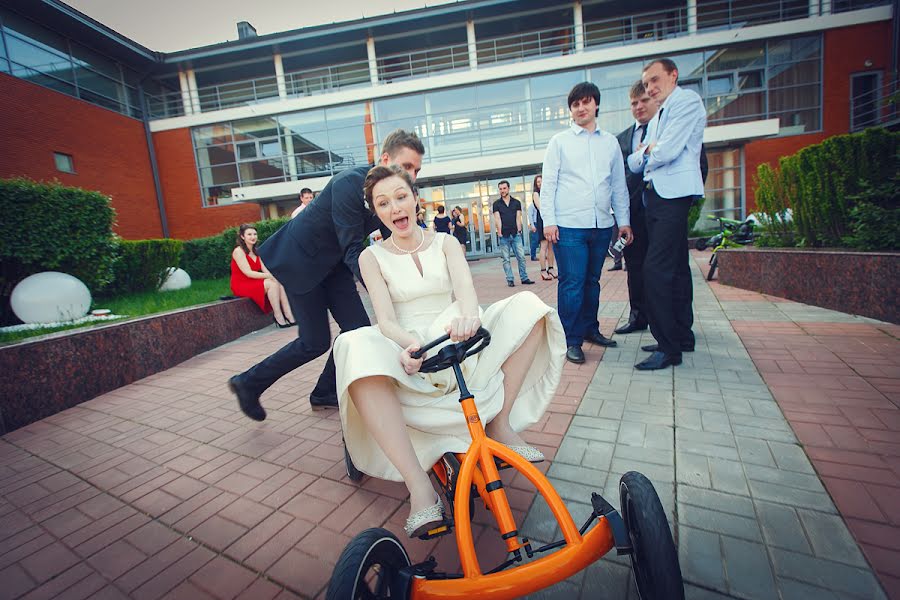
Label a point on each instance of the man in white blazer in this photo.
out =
(670, 162)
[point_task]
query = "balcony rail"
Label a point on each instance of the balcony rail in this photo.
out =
(879, 107)
(422, 62)
(615, 31)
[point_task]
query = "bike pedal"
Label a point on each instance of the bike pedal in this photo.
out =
(441, 530)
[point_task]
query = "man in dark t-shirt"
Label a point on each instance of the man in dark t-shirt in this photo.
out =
(508, 221)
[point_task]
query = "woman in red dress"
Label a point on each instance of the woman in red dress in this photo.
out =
(251, 279)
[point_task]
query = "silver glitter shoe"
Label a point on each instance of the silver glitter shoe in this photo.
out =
(529, 453)
(428, 518)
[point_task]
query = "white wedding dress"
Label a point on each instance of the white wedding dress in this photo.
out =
(423, 304)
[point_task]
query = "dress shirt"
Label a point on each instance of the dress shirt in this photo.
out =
(640, 132)
(583, 180)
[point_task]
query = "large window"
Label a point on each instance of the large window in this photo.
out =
(41, 56)
(723, 187)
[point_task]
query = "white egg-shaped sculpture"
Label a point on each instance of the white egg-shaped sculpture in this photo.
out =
(175, 279)
(50, 297)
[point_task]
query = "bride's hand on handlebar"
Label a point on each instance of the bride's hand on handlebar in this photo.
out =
(411, 365)
(462, 328)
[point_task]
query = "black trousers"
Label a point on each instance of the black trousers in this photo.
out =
(635, 256)
(337, 293)
(667, 273)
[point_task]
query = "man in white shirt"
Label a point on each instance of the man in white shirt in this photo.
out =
(306, 196)
(583, 178)
(670, 162)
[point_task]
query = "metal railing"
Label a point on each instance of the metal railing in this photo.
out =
(422, 62)
(730, 14)
(556, 41)
(879, 107)
(330, 78)
(632, 29)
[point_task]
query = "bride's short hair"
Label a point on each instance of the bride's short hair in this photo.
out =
(380, 173)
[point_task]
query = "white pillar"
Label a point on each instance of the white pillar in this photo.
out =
(192, 86)
(692, 16)
(373, 60)
(185, 93)
(826, 7)
(473, 46)
(279, 76)
(579, 27)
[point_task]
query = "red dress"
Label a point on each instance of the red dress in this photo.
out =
(245, 287)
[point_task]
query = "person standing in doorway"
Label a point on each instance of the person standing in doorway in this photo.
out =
(537, 229)
(670, 163)
(442, 221)
(508, 221)
(306, 196)
(583, 180)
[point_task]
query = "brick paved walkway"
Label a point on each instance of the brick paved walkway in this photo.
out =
(163, 489)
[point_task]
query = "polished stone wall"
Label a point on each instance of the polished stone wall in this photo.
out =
(44, 376)
(859, 283)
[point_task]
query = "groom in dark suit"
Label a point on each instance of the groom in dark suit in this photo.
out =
(643, 109)
(315, 257)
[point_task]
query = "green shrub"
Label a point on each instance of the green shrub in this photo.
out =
(210, 257)
(819, 184)
(875, 217)
(142, 264)
(51, 227)
(694, 214)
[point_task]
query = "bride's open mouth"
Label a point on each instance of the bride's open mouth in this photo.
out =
(401, 223)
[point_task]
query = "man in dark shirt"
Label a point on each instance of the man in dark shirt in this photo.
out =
(508, 221)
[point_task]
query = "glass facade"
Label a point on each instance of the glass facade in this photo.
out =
(775, 79)
(34, 53)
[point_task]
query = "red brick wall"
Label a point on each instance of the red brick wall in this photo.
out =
(181, 188)
(846, 51)
(109, 150)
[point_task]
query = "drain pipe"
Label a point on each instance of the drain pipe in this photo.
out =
(154, 168)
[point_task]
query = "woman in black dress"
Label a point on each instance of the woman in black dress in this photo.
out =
(458, 226)
(442, 221)
(545, 252)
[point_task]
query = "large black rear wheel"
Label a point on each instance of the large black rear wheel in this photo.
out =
(701, 243)
(368, 568)
(353, 473)
(654, 560)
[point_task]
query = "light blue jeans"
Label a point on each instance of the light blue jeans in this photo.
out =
(512, 244)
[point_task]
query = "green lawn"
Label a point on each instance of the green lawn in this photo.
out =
(137, 305)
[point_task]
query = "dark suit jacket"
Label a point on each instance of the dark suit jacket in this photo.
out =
(634, 181)
(327, 234)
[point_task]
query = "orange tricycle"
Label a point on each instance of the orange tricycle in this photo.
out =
(375, 565)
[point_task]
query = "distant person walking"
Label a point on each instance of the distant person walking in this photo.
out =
(508, 221)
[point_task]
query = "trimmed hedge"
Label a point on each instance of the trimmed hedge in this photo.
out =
(52, 227)
(820, 185)
(210, 257)
(142, 264)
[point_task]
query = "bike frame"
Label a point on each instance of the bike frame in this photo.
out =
(477, 466)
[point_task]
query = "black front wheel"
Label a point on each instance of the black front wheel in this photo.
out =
(713, 263)
(701, 243)
(654, 559)
(368, 568)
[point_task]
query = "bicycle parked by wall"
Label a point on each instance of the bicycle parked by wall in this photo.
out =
(732, 234)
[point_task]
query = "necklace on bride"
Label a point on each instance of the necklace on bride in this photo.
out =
(414, 250)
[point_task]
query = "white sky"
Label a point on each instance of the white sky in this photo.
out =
(169, 25)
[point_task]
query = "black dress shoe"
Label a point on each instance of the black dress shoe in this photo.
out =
(527, 282)
(632, 326)
(615, 267)
(601, 340)
(247, 400)
(511, 283)
(323, 402)
(655, 348)
(658, 360)
(575, 354)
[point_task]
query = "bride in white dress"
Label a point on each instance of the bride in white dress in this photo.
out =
(398, 422)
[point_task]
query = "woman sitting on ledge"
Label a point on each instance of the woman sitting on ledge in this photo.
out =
(251, 279)
(397, 421)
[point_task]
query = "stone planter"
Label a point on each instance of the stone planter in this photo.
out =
(49, 374)
(859, 283)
